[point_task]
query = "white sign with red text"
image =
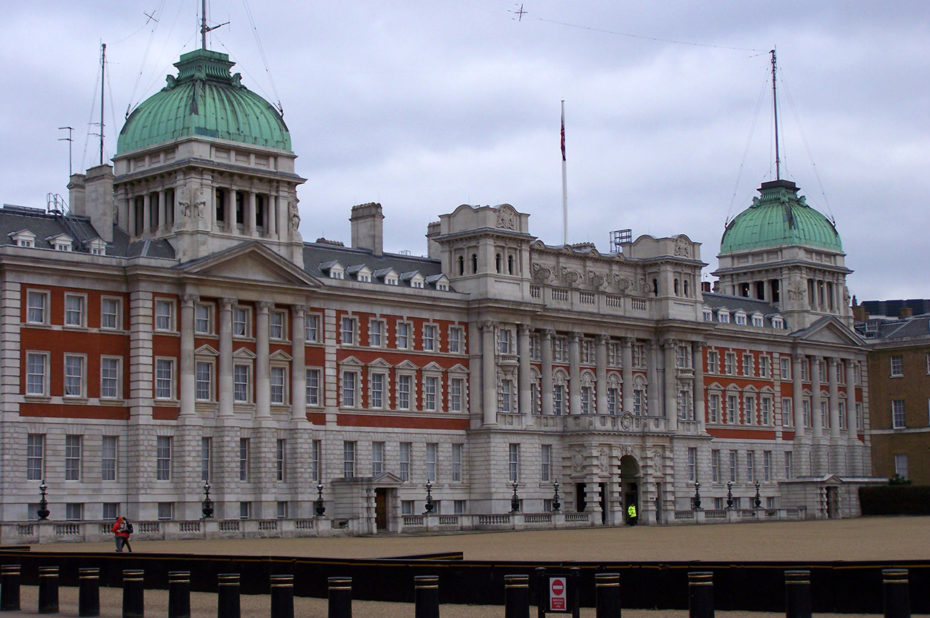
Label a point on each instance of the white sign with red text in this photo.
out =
(558, 601)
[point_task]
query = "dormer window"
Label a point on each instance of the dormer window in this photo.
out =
(391, 280)
(723, 316)
(334, 269)
(778, 322)
(361, 273)
(708, 315)
(62, 242)
(758, 320)
(740, 318)
(336, 273)
(24, 238)
(98, 247)
(416, 284)
(442, 286)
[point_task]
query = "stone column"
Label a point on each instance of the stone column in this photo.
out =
(601, 374)
(697, 360)
(298, 365)
(832, 378)
(262, 370)
(187, 377)
(852, 433)
(574, 373)
(488, 374)
(670, 350)
(627, 374)
(225, 381)
(652, 379)
(797, 395)
(523, 344)
(250, 215)
(546, 377)
(816, 398)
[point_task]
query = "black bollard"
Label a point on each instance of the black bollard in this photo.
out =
(133, 593)
(607, 586)
(517, 596)
(426, 597)
(227, 598)
(700, 594)
(574, 591)
(88, 591)
(540, 591)
(9, 587)
(179, 594)
(798, 593)
(48, 589)
(282, 596)
(895, 594)
(340, 597)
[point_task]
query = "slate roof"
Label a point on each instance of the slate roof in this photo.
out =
(317, 255)
(735, 303)
(916, 327)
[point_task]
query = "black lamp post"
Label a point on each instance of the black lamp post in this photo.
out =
(429, 496)
(515, 499)
(556, 505)
(697, 495)
(729, 495)
(207, 509)
(758, 499)
(320, 509)
(43, 511)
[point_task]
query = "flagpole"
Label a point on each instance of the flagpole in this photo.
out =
(564, 184)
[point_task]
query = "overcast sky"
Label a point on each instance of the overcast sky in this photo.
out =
(424, 105)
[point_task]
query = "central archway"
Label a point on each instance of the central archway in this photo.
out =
(629, 483)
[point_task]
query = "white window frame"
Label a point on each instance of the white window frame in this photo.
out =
(513, 462)
(203, 318)
(34, 362)
(405, 459)
(457, 342)
(897, 365)
(163, 386)
(313, 386)
(406, 391)
(545, 463)
(431, 459)
(280, 453)
(164, 311)
(312, 327)
(37, 307)
(245, 459)
(348, 330)
(432, 392)
(898, 414)
(163, 446)
(35, 456)
(74, 385)
(242, 389)
(111, 320)
(458, 451)
(199, 381)
(73, 456)
(402, 334)
(278, 382)
(76, 315)
(242, 322)
(376, 329)
(109, 458)
(377, 389)
(111, 386)
(377, 458)
(277, 325)
(456, 394)
(348, 389)
(349, 458)
(430, 337)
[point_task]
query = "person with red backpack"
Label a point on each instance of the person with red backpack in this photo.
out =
(122, 530)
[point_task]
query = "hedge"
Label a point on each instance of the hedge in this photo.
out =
(895, 500)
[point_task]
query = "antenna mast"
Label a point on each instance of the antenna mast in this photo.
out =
(204, 28)
(775, 108)
(103, 69)
(70, 141)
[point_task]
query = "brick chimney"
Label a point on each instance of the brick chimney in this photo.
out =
(368, 228)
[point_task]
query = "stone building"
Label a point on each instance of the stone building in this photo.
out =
(174, 328)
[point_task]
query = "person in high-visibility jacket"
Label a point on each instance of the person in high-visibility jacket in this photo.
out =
(631, 515)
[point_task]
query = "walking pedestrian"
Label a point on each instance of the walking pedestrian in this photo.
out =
(122, 530)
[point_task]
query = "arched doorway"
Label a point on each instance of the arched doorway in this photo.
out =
(629, 483)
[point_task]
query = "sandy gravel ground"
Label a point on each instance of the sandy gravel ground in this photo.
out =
(868, 538)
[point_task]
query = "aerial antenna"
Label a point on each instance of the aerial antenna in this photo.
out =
(103, 70)
(70, 141)
(519, 13)
(204, 28)
(775, 108)
(151, 17)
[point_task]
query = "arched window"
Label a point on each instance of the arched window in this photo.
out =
(461, 265)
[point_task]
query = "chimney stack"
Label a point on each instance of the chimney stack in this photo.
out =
(368, 228)
(95, 195)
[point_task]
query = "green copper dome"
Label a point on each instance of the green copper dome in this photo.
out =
(204, 100)
(779, 217)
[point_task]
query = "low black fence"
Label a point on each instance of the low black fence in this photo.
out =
(843, 587)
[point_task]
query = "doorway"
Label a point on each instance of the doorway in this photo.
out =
(580, 498)
(833, 502)
(381, 501)
(603, 487)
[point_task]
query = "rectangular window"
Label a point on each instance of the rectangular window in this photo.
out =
(35, 457)
(348, 459)
(457, 337)
(506, 396)
(74, 511)
(558, 399)
(805, 370)
(806, 413)
(108, 458)
(36, 307)
(766, 465)
(376, 333)
(787, 412)
(431, 454)
(110, 313)
(457, 450)
(785, 363)
(766, 411)
(377, 458)
(164, 315)
(349, 388)
(74, 310)
(458, 507)
(74, 376)
(245, 510)
(164, 378)
(842, 415)
(430, 388)
(729, 361)
(203, 319)
(789, 469)
(241, 383)
(403, 335)
(72, 458)
(900, 465)
(749, 409)
(406, 507)
(764, 366)
(897, 366)
(715, 465)
(587, 394)
(163, 458)
(898, 420)
(245, 447)
(713, 408)
(280, 459)
(203, 381)
(692, 464)
(405, 462)
(713, 361)
(281, 509)
(313, 387)
(683, 357)
(347, 331)
(165, 511)
(110, 511)
(639, 401)
(110, 370)
(858, 415)
(750, 465)
(732, 409)
(503, 341)
(545, 462)
(279, 385)
(376, 396)
(747, 364)
(403, 392)
(37, 374)
(206, 459)
(613, 399)
(429, 337)
(514, 462)
(312, 327)
(276, 325)
(732, 466)
(456, 393)
(241, 322)
(316, 460)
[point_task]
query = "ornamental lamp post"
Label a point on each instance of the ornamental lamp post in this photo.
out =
(758, 499)
(556, 505)
(697, 495)
(43, 511)
(320, 509)
(207, 509)
(429, 496)
(515, 499)
(729, 495)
